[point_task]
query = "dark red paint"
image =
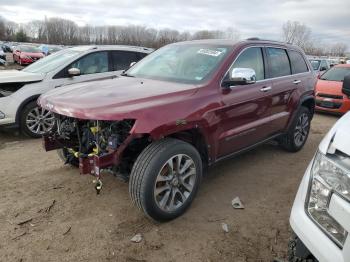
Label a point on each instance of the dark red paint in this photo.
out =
(229, 119)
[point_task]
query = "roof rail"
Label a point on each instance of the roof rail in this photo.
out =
(259, 39)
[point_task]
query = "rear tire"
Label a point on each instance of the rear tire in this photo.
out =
(165, 179)
(298, 132)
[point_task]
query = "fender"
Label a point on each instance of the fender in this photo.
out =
(181, 126)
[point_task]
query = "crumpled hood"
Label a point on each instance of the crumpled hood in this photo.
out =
(120, 98)
(13, 76)
(338, 138)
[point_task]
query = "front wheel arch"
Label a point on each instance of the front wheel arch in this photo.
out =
(23, 105)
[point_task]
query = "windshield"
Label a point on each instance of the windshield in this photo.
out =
(336, 74)
(55, 49)
(29, 49)
(51, 62)
(186, 63)
(315, 64)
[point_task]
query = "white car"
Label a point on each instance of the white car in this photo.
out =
(19, 90)
(2, 56)
(320, 215)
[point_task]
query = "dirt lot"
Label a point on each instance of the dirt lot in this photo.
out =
(67, 221)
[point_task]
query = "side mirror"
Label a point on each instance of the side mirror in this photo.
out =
(73, 71)
(132, 64)
(346, 85)
(241, 76)
(323, 68)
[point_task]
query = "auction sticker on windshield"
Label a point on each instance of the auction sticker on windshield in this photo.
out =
(209, 52)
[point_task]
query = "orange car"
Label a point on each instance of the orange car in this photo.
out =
(329, 95)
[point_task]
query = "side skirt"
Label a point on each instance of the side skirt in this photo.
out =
(246, 149)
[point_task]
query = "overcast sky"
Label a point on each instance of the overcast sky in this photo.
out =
(328, 19)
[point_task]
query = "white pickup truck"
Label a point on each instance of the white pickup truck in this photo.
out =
(320, 215)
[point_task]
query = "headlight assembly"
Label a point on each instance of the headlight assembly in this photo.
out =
(328, 177)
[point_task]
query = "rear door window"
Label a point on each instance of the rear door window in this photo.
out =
(324, 65)
(278, 62)
(297, 62)
(123, 59)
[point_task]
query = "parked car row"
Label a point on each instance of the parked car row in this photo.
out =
(20, 89)
(25, 54)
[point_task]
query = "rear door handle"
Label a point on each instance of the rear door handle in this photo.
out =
(295, 82)
(266, 89)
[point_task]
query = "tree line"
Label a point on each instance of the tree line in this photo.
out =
(66, 32)
(300, 34)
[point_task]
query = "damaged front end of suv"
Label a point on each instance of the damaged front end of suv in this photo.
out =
(94, 145)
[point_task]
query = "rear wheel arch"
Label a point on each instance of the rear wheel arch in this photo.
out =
(310, 103)
(307, 102)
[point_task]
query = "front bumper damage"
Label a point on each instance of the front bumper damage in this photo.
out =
(92, 164)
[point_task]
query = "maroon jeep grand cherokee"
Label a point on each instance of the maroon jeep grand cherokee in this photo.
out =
(183, 107)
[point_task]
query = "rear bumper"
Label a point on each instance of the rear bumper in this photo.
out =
(315, 240)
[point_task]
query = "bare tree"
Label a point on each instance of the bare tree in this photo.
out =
(62, 31)
(232, 33)
(296, 33)
(2, 28)
(338, 49)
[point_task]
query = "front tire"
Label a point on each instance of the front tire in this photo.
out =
(67, 158)
(165, 179)
(293, 255)
(298, 132)
(36, 121)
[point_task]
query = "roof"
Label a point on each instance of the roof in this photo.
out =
(229, 42)
(342, 65)
(113, 47)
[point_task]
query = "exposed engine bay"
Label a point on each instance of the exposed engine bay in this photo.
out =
(93, 137)
(7, 89)
(95, 145)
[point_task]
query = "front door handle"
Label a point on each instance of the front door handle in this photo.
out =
(266, 89)
(295, 82)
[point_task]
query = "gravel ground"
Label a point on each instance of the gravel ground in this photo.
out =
(49, 212)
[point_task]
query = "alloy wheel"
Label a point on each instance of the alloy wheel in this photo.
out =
(40, 121)
(175, 182)
(301, 129)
